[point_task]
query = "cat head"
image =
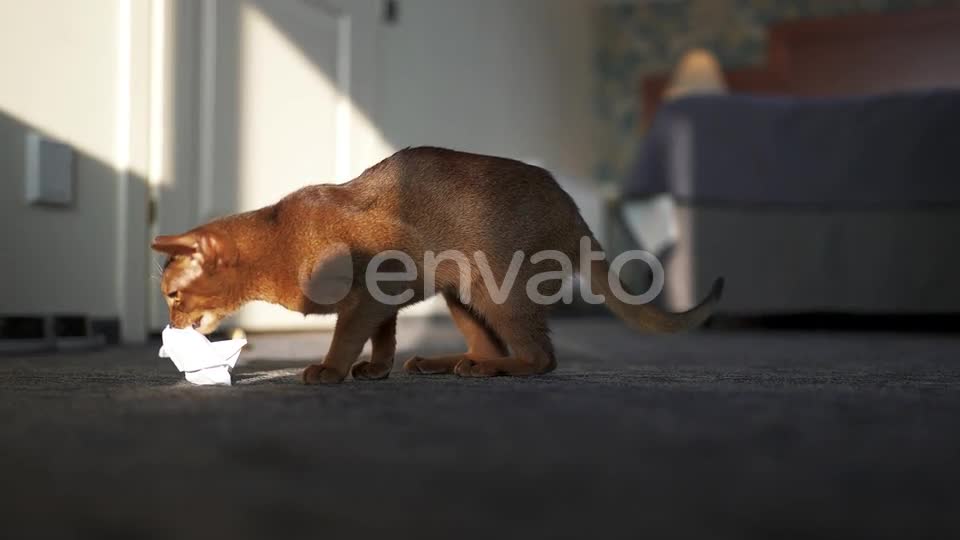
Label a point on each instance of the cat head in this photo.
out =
(201, 281)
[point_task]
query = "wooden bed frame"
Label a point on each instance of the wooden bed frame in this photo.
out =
(848, 55)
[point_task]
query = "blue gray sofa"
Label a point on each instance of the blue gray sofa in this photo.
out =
(805, 205)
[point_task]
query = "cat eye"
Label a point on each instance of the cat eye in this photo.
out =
(173, 295)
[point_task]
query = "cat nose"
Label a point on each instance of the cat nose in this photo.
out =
(196, 323)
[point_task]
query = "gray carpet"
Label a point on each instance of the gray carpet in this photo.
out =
(719, 435)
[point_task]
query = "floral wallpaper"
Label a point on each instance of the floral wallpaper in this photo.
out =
(640, 37)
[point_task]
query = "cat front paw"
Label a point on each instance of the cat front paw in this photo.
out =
(320, 374)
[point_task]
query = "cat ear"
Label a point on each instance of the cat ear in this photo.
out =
(216, 250)
(175, 244)
(211, 249)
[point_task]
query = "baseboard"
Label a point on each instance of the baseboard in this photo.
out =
(56, 332)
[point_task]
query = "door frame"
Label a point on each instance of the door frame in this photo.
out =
(177, 125)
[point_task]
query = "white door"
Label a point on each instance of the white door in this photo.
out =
(265, 96)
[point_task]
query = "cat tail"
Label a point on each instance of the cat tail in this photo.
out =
(648, 317)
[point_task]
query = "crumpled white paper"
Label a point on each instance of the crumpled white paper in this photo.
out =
(201, 361)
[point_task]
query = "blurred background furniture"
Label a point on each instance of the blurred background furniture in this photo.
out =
(828, 201)
(805, 205)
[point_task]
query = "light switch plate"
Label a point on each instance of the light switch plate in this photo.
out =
(49, 171)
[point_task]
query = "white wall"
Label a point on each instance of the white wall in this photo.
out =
(503, 77)
(509, 78)
(59, 75)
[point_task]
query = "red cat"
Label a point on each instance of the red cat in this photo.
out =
(312, 251)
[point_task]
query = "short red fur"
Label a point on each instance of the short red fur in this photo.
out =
(309, 253)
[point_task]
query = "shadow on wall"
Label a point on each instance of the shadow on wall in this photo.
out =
(88, 258)
(504, 78)
(92, 257)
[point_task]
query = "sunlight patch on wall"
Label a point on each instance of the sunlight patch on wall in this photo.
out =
(47, 98)
(297, 122)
